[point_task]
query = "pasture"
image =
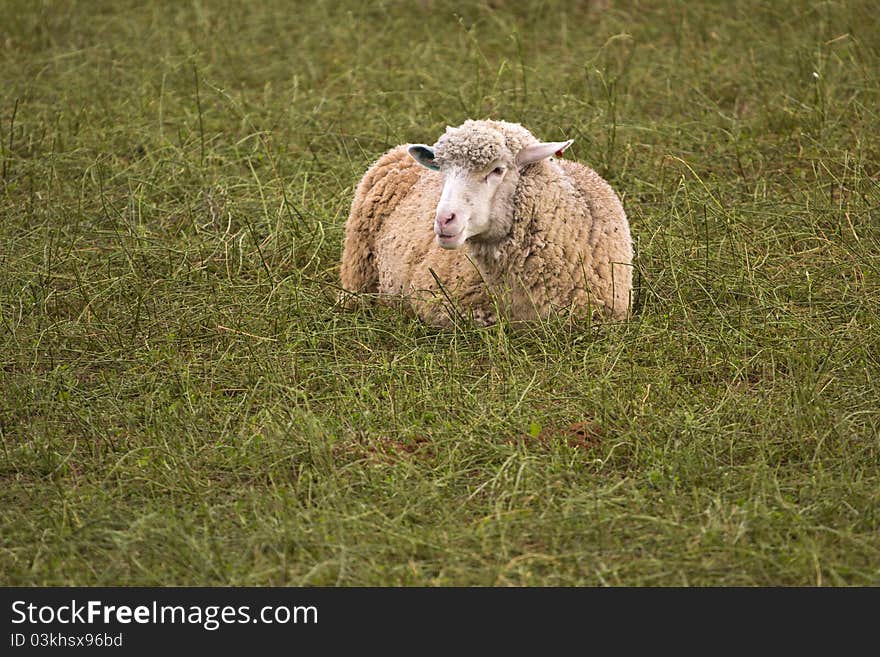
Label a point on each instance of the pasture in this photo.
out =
(183, 402)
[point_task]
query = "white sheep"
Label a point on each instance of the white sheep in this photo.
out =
(542, 235)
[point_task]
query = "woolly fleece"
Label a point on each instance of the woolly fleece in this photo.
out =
(565, 248)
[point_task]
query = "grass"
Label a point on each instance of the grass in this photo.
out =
(181, 402)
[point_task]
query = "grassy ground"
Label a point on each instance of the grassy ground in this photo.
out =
(181, 402)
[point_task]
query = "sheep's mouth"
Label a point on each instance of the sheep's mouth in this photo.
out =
(450, 240)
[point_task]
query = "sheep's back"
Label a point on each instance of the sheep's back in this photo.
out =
(571, 247)
(385, 185)
(609, 241)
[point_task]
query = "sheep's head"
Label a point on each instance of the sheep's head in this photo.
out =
(481, 163)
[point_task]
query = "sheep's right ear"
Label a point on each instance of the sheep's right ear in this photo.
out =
(424, 155)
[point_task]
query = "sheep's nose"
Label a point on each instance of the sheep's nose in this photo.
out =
(445, 219)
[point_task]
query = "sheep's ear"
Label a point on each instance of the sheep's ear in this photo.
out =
(424, 155)
(541, 151)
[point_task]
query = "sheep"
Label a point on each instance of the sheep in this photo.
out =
(541, 235)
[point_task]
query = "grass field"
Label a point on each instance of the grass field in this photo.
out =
(181, 401)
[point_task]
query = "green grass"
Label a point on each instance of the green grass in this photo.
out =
(181, 402)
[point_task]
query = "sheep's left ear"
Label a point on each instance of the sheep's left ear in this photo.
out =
(541, 151)
(424, 155)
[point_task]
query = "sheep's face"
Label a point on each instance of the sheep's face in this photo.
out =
(476, 201)
(468, 200)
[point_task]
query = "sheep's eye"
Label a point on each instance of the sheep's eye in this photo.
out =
(497, 171)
